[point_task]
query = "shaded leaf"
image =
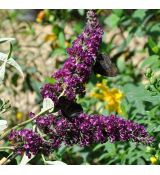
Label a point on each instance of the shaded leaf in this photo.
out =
(112, 20)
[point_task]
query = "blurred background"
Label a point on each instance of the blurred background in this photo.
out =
(131, 39)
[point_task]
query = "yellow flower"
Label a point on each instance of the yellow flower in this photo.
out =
(19, 116)
(112, 97)
(40, 16)
(154, 160)
(50, 37)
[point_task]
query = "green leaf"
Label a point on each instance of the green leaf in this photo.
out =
(153, 45)
(152, 60)
(104, 156)
(124, 43)
(10, 51)
(121, 64)
(77, 27)
(118, 12)
(155, 28)
(58, 52)
(110, 148)
(98, 147)
(61, 40)
(139, 14)
(139, 93)
(81, 11)
(112, 21)
(50, 80)
(157, 129)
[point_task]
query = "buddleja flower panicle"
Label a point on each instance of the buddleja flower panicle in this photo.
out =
(86, 129)
(26, 141)
(77, 69)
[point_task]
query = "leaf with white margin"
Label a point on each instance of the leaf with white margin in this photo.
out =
(48, 104)
(3, 40)
(25, 159)
(3, 125)
(55, 163)
(2, 72)
(12, 62)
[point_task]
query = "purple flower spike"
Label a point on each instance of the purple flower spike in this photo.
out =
(89, 129)
(77, 69)
(30, 140)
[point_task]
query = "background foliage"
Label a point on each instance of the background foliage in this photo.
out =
(131, 39)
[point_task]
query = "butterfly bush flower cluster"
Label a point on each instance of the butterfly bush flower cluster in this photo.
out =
(29, 139)
(51, 130)
(83, 130)
(75, 73)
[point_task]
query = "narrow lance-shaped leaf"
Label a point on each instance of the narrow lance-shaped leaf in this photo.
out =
(10, 51)
(3, 40)
(3, 125)
(12, 62)
(2, 72)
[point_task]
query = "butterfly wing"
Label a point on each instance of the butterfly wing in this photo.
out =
(104, 66)
(69, 108)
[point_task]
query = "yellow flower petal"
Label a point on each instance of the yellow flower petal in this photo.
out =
(112, 97)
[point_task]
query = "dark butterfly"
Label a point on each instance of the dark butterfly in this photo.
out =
(104, 66)
(69, 108)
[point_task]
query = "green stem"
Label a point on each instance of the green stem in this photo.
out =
(6, 147)
(43, 158)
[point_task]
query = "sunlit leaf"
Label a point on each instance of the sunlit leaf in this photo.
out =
(3, 125)
(151, 60)
(112, 20)
(3, 40)
(47, 104)
(139, 14)
(12, 62)
(25, 159)
(2, 72)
